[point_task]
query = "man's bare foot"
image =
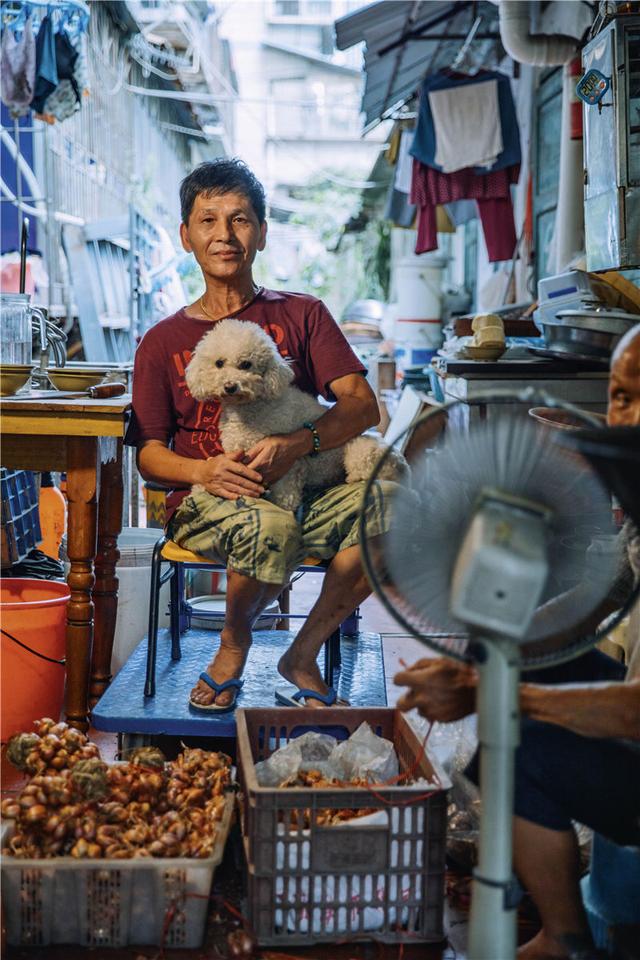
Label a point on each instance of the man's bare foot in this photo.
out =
(227, 664)
(302, 677)
(545, 947)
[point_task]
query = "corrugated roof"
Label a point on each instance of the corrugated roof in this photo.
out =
(407, 39)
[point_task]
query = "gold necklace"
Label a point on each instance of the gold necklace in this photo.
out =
(210, 315)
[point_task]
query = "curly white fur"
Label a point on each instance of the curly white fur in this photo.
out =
(238, 364)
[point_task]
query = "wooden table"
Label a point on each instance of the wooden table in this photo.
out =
(82, 437)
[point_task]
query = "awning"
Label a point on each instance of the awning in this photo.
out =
(408, 39)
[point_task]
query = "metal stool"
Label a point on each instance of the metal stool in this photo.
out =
(179, 560)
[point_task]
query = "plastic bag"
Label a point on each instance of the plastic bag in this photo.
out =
(311, 751)
(364, 756)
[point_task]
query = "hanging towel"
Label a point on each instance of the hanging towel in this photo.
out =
(18, 69)
(424, 141)
(46, 72)
(467, 126)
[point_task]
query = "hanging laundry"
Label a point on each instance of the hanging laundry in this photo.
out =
(65, 99)
(404, 165)
(398, 209)
(18, 68)
(467, 126)
(46, 72)
(81, 70)
(424, 141)
(461, 211)
(491, 191)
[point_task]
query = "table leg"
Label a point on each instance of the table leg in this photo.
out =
(105, 592)
(82, 490)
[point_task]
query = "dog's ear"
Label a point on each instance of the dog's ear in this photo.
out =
(195, 375)
(277, 378)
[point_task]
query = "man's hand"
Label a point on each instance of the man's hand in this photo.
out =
(274, 456)
(441, 689)
(227, 476)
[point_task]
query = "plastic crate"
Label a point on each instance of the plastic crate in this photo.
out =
(20, 517)
(109, 903)
(382, 879)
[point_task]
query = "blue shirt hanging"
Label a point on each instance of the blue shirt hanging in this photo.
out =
(424, 141)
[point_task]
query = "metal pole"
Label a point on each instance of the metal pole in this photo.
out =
(50, 221)
(16, 137)
(495, 892)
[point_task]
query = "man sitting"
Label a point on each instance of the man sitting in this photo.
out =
(579, 756)
(224, 226)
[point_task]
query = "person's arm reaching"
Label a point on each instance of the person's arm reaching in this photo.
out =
(443, 690)
(592, 710)
(224, 475)
(354, 411)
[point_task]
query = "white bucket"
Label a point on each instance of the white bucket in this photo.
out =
(213, 607)
(418, 327)
(134, 582)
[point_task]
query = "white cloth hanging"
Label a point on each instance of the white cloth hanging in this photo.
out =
(467, 125)
(404, 166)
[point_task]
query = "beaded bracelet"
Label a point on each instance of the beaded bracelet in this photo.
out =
(316, 438)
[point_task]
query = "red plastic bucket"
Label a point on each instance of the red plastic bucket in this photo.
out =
(35, 613)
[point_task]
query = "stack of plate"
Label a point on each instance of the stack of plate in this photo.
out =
(589, 333)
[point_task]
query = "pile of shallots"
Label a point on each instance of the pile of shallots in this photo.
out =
(77, 805)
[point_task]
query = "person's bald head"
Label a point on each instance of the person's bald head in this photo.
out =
(624, 382)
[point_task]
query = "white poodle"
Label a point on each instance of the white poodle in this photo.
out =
(238, 364)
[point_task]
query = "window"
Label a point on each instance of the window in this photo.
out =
(312, 11)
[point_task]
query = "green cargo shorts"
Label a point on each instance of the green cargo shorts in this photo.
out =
(260, 540)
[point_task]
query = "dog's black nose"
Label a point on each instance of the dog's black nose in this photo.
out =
(230, 387)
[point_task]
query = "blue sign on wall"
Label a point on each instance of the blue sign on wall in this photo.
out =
(592, 87)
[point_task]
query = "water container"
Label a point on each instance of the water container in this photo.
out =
(418, 324)
(134, 581)
(35, 613)
(15, 327)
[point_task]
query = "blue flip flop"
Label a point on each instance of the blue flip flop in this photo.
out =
(330, 699)
(218, 688)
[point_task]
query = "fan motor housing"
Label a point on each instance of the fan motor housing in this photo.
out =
(502, 566)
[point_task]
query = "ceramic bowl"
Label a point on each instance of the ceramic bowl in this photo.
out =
(558, 419)
(483, 353)
(12, 377)
(69, 380)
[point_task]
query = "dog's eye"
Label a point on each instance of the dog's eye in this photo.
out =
(245, 365)
(219, 363)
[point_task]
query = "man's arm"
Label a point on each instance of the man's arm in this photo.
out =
(354, 411)
(443, 690)
(592, 710)
(225, 475)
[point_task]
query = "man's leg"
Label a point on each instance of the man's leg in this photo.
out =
(344, 588)
(245, 600)
(548, 865)
(330, 529)
(260, 542)
(561, 777)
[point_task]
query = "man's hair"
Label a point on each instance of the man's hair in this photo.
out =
(226, 175)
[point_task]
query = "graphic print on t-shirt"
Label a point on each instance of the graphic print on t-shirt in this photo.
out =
(205, 435)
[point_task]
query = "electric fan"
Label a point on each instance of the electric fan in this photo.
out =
(501, 554)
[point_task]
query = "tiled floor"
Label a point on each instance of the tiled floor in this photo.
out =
(397, 647)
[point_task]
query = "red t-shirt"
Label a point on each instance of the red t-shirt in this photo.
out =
(163, 408)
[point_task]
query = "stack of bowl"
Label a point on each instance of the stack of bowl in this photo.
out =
(588, 333)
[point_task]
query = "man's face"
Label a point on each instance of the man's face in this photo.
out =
(224, 235)
(624, 386)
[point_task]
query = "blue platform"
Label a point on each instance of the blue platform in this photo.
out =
(123, 708)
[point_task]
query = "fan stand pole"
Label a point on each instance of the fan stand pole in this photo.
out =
(495, 892)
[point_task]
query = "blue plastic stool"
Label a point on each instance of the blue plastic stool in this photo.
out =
(611, 891)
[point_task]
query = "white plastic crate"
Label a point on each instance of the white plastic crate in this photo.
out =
(109, 903)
